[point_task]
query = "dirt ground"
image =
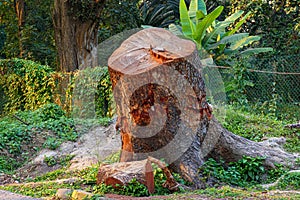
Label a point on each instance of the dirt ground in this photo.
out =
(89, 149)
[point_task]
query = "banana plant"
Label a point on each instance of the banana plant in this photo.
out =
(212, 36)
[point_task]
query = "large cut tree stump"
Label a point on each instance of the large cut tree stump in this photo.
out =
(160, 99)
(162, 110)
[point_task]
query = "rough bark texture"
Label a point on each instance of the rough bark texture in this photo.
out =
(158, 87)
(231, 147)
(20, 12)
(162, 109)
(75, 37)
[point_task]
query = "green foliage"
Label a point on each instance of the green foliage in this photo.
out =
(26, 84)
(43, 190)
(237, 81)
(48, 129)
(214, 37)
(84, 10)
(134, 188)
(62, 160)
(12, 135)
(50, 111)
(245, 172)
(35, 37)
(158, 13)
(8, 165)
(290, 181)
(256, 126)
(92, 93)
(9, 26)
(118, 16)
(276, 21)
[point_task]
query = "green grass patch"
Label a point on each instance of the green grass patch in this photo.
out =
(42, 190)
(257, 127)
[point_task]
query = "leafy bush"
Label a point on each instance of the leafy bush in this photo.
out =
(244, 172)
(26, 84)
(46, 127)
(276, 21)
(290, 181)
(214, 38)
(91, 93)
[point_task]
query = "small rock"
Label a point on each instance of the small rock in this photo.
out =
(44, 153)
(63, 194)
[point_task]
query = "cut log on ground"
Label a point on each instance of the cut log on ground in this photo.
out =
(122, 173)
(162, 110)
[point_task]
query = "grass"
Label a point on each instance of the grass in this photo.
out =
(251, 125)
(46, 127)
(257, 127)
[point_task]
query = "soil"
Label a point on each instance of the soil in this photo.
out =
(91, 148)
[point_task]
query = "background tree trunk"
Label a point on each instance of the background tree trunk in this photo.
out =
(162, 110)
(76, 33)
(20, 12)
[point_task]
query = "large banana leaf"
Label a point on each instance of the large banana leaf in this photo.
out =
(238, 25)
(243, 42)
(234, 16)
(202, 7)
(217, 30)
(188, 27)
(197, 6)
(230, 39)
(193, 9)
(252, 51)
(205, 23)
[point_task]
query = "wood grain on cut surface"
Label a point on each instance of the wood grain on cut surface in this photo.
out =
(147, 49)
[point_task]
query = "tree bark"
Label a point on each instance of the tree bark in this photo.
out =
(162, 110)
(231, 148)
(122, 173)
(20, 12)
(75, 35)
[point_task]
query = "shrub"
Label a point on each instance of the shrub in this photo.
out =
(27, 85)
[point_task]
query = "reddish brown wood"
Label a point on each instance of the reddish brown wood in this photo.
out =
(157, 55)
(122, 173)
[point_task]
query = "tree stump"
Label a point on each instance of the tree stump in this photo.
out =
(160, 99)
(162, 110)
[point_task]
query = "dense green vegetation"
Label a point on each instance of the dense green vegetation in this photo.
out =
(41, 107)
(247, 172)
(24, 133)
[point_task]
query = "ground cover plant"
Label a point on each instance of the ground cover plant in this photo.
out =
(248, 174)
(25, 133)
(31, 121)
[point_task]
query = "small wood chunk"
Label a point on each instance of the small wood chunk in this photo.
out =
(122, 173)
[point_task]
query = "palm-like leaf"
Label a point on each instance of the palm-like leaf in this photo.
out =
(157, 13)
(252, 51)
(206, 22)
(217, 30)
(188, 27)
